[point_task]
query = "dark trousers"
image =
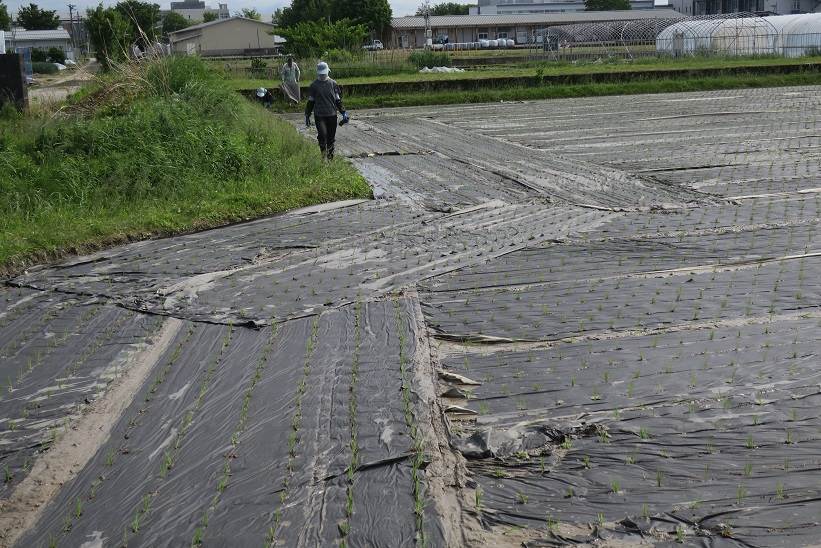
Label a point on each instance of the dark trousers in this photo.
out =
(326, 135)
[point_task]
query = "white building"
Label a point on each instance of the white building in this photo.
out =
(409, 32)
(711, 7)
(194, 10)
(518, 7)
(39, 39)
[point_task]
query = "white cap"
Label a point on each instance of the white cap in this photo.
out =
(261, 92)
(322, 68)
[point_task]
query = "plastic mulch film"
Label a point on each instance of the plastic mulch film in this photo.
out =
(711, 433)
(573, 181)
(438, 183)
(296, 435)
(304, 282)
(552, 262)
(573, 308)
(57, 355)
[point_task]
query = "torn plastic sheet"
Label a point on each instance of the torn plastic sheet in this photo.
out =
(712, 427)
(701, 475)
(570, 309)
(599, 376)
(184, 464)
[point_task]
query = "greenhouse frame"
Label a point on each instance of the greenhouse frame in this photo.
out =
(784, 35)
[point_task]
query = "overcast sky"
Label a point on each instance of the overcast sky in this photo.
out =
(266, 7)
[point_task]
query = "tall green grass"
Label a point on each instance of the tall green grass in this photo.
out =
(159, 148)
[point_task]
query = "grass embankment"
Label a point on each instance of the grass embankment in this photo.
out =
(650, 83)
(559, 69)
(160, 148)
(520, 93)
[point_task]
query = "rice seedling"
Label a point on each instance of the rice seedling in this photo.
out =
(418, 458)
(741, 492)
(345, 527)
(679, 534)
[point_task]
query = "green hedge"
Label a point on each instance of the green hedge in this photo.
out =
(44, 68)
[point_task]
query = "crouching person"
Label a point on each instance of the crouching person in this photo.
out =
(264, 96)
(324, 100)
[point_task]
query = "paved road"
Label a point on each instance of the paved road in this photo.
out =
(592, 320)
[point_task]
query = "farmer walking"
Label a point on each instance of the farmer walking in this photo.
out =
(290, 74)
(324, 100)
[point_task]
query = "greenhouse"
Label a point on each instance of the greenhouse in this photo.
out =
(787, 35)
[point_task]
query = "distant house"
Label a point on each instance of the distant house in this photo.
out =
(195, 10)
(227, 37)
(18, 39)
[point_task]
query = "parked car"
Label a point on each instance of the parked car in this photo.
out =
(376, 45)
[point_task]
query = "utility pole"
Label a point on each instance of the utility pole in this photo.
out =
(71, 8)
(425, 8)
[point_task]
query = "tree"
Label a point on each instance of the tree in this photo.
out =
(33, 18)
(57, 55)
(109, 34)
(251, 13)
(209, 16)
(313, 38)
(5, 19)
(173, 22)
(276, 17)
(606, 5)
(305, 10)
(446, 8)
(375, 15)
(142, 17)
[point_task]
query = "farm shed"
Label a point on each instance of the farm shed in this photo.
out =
(409, 32)
(19, 39)
(225, 37)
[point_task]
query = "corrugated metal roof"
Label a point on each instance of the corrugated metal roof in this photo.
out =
(219, 22)
(57, 34)
(183, 34)
(451, 21)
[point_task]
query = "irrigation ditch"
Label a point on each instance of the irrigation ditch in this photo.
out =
(586, 321)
